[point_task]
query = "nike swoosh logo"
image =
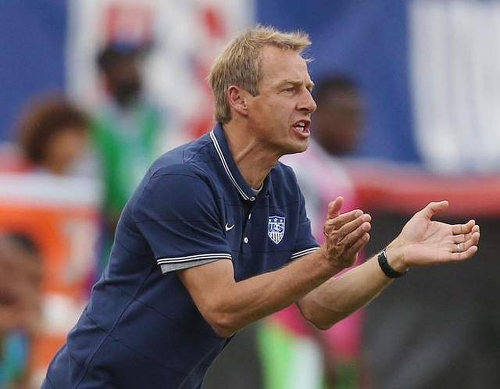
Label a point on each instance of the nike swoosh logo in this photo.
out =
(229, 228)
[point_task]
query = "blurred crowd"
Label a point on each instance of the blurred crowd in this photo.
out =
(60, 149)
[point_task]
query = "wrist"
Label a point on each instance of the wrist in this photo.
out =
(396, 257)
(392, 261)
(327, 262)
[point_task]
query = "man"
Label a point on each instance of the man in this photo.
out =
(216, 237)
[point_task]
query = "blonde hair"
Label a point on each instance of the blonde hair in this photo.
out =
(240, 63)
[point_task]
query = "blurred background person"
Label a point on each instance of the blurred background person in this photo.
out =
(20, 307)
(127, 129)
(54, 137)
(294, 354)
(126, 126)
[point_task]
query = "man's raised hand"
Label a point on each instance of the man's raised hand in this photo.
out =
(345, 233)
(425, 242)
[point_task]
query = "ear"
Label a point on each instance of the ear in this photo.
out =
(237, 99)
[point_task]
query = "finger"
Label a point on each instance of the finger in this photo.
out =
(351, 226)
(349, 239)
(476, 235)
(472, 239)
(339, 221)
(464, 237)
(458, 229)
(334, 207)
(332, 226)
(434, 207)
(358, 245)
(465, 250)
(461, 247)
(462, 256)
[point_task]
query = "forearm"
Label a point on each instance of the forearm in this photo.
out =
(232, 305)
(271, 292)
(228, 305)
(342, 295)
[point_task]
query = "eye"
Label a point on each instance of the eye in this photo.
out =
(289, 89)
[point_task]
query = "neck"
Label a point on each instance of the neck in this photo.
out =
(252, 158)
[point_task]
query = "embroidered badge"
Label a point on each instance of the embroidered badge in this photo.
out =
(276, 228)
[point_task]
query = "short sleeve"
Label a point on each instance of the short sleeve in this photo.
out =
(179, 216)
(305, 243)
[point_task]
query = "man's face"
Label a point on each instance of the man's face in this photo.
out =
(280, 115)
(124, 79)
(65, 148)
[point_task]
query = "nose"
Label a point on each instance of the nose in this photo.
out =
(307, 103)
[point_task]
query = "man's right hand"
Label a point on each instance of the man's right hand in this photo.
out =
(346, 234)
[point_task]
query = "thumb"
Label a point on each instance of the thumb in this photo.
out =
(334, 207)
(434, 207)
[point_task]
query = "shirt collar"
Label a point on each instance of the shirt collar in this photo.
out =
(219, 141)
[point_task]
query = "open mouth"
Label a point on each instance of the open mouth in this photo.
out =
(302, 127)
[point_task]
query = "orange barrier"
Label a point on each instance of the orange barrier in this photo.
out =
(61, 216)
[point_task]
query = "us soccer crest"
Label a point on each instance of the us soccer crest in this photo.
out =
(276, 228)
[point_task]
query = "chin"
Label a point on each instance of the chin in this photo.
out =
(297, 148)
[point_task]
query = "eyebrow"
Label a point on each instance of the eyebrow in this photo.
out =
(310, 85)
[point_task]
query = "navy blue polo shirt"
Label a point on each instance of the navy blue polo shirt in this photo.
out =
(141, 328)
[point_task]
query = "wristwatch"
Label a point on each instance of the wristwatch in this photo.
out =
(386, 268)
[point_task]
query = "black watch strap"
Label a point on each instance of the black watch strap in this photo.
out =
(386, 268)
